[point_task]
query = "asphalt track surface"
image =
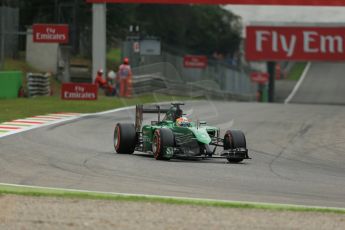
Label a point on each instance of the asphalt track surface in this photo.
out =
(324, 84)
(297, 155)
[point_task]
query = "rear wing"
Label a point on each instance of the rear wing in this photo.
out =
(140, 110)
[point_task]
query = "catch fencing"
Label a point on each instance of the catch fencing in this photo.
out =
(166, 78)
(168, 70)
(217, 80)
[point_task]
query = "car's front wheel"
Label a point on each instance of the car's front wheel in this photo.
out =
(234, 139)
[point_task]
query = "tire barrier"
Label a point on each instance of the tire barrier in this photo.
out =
(38, 84)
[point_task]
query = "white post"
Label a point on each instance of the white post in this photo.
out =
(2, 42)
(98, 38)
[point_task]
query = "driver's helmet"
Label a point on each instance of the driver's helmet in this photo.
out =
(182, 122)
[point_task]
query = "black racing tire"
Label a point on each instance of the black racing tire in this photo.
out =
(124, 138)
(162, 138)
(234, 139)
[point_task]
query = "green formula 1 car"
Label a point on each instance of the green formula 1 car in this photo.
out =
(176, 137)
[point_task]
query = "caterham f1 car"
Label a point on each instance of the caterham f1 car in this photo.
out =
(176, 137)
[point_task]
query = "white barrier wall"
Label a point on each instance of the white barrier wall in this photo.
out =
(42, 56)
(99, 42)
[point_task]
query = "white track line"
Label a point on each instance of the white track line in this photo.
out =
(112, 111)
(36, 126)
(15, 124)
(169, 197)
(299, 83)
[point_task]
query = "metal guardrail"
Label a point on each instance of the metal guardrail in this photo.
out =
(149, 83)
(216, 80)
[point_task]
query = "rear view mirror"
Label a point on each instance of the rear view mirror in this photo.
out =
(200, 123)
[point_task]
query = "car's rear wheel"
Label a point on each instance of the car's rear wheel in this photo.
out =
(124, 138)
(234, 139)
(162, 144)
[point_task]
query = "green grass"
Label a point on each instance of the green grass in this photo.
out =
(296, 71)
(11, 109)
(46, 192)
(12, 64)
(25, 107)
(114, 55)
(114, 59)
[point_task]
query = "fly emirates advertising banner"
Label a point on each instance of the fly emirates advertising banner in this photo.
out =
(79, 91)
(270, 43)
(50, 33)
